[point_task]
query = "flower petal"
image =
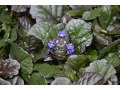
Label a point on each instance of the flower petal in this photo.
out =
(62, 33)
(51, 44)
(70, 46)
(70, 51)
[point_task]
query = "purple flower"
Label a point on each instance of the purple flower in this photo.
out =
(62, 33)
(51, 44)
(70, 48)
(70, 51)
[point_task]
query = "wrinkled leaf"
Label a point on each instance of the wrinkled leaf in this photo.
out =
(114, 80)
(89, 15)
(46, 70)
(17, 80)
(49, 13)
(101, 39)
(80, 34)
(18, 53)
(115, 31)
(5, 19)
(77, 61)
(24, 23)
(103, 68)
(61, 71)
(75, 12)
(92, 54)
(113, 27)
(89, 78)
(113, 58)
(9, 68)
(96, 26)
(44, 31)
(26, 68)
(20, 8)
(108, 49)
(37, 79)
(41, 54)
(105, 17)
(61, 81)
(70, 73)
(4, 82)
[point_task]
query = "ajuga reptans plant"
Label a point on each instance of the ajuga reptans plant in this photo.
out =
(59, 45)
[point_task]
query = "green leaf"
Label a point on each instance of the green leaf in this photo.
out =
(4, 82)
(13, 35)
(75, 12)
(105, 17)
(37, 79)
(96, 26)
(44, 31)
(61, 81)
(70, 73)
(92, 54)
(89, 78)
(5, 19)
(115, 31)
(102, 39)
(7, 33)
(49, 13)
(5, 37)
(2, 42)
(46, 70)
(108, 49)
(61, 71)
(113, 27)
(113, 58)
(41, 54)
(103, 68)
(26, 68)
(89, 15)
(18, 53)
(80, 34)
(77, 61)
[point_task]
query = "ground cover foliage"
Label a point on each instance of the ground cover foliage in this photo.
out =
(59, 45)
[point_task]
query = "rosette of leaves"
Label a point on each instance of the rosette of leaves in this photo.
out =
(9, 68)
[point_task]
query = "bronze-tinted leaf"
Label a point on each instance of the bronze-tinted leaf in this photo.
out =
(9, 68)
